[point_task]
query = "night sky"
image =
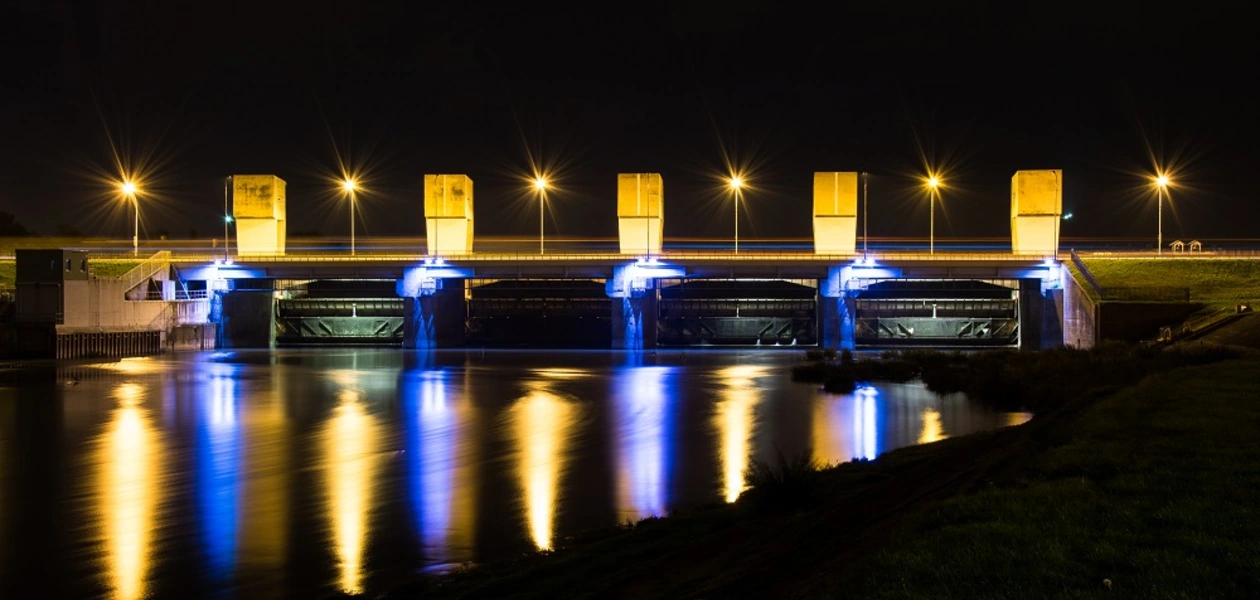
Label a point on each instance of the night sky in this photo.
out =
(192, 92)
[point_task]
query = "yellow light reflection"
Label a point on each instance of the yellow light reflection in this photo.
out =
(1016, 418)
(264, 512)
(132, 366)
(542, 421)
(831, 446)
(932, 429)
(349, 444)
(127, 455)
(734, 421)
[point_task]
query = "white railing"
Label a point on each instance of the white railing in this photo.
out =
(147, 268)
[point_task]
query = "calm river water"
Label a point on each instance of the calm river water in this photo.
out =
(302, 473)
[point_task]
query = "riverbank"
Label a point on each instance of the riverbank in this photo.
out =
(1150, 486)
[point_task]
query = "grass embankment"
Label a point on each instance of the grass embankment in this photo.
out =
(1156, 492)
(1155, 488)
(99, 267)
(1213, 282)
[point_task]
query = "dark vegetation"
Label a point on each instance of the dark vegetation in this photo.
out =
(1009, 380)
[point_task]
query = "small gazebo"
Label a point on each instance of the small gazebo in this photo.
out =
(1178, 246)
(1196, 246)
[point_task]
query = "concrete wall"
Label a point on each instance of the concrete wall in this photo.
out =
(102, 303)
(436, 320)
(191, 337)
(1138, 321)
(1080, 315)
(634, 321)
(248, 319)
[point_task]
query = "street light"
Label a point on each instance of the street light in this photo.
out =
(736, 184)
(129, 190)
(227, 220)
(933, 184)
(1161, 186)
(540, 184)
(350, 186)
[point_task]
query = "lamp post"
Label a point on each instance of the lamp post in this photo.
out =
(540, 184)
(933, 184)
(227, 220)
(736, 184)
(1161, 185)
(866, 208)
(129, 191)
(350, 186)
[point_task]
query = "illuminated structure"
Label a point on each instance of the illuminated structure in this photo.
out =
(448, 214)
(1036, 209)
(640, 212)
(258, 207)
(835, 212)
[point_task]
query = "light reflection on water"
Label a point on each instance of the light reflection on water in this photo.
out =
(644, 421)
(304, 473)
(129, 453)
(349, 441)
(541, 421)
(438, 422)
(738, 398)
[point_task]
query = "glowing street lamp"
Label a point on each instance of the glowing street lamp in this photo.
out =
(130, 191)
(737, 184)
(1161, 182)
(350, 186)
(540, 184)
(933, 184)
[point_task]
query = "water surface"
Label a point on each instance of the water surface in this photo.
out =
(305, 473)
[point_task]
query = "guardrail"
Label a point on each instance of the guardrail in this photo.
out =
(801, 256)
(147, 268)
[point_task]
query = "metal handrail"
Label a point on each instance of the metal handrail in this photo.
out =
(146, 269)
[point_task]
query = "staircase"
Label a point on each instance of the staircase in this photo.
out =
(141, 274)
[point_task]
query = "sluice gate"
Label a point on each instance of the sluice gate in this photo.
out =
(956, 312)
(546, 313)
(737, 312)
(338, 311)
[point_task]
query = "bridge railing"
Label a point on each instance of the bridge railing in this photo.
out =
(749, 256)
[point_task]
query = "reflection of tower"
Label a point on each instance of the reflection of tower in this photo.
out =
(542, 422)
(932, 428)
(865, 434)
(218, 472)
(264, 512)
(829, 428)
(735, 422)
(349, 443)
(128, 450)
(440, 476)
(645, 420)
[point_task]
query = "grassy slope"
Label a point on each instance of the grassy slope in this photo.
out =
(1156, 488)
(1212, 282)
(100, 267)
(1157, 491)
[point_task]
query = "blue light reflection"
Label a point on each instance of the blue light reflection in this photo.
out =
(218, 470)
(866, 407)
(645, 418)
(432, 429)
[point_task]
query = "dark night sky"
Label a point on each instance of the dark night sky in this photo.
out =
(197, 91)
